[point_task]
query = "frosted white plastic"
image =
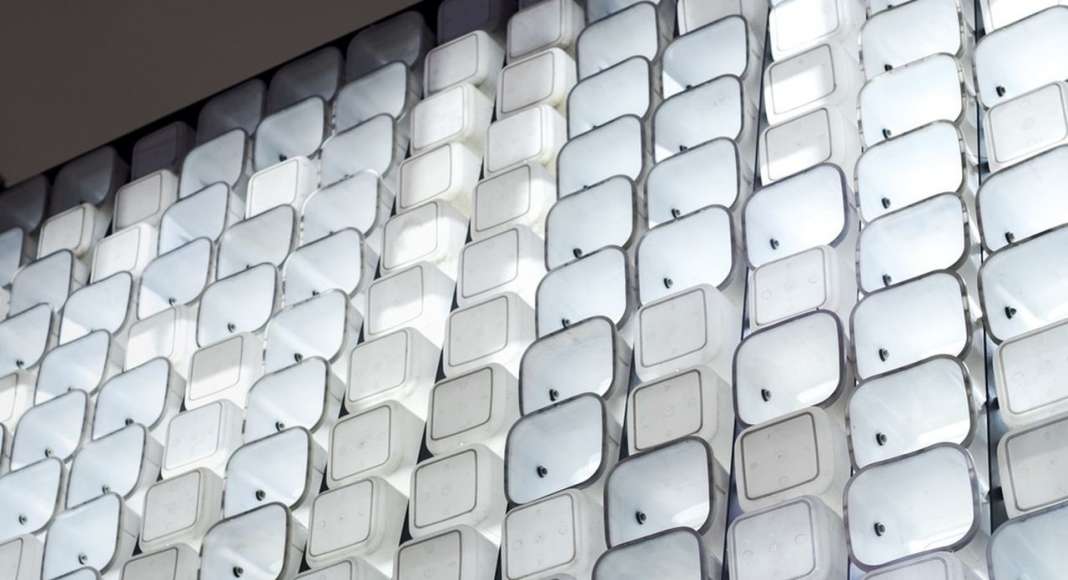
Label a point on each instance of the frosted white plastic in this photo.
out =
(268, 237)
(202, 438)
(798, 363)
(545, 25)
(698, 326)
(598, 284)
(1030, 464)
(800, 538)
(804, 453)
(418, 297)
(1018, 203)
(693, 402)
(474, 58)
(545, 78)
(904, 411)
(180, 510)
(588, 357)
(570, 444)
(464, 487)
(512, 260)
(1021, 286)
(923, 502)
(898, 326)
(224, 370)
(520, 196)
(383, 440)
(915, 166)
(476, 407)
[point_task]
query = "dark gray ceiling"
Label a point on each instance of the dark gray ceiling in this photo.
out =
(75, 75)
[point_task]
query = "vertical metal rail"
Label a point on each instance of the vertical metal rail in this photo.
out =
(995, 426)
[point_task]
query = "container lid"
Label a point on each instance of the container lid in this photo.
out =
(23, 205)
(708, 111)
(659, 489)
(200, 215)
(1026, 372)
(24, 338)
(199, 433)
(240, 107)
(295, 396)
(354, 202)
(94, 530)
(582, 358)
(364, 441)
(297, 130)
(926, 501)
(937, 566)
(692, 250)
(80, 364)
(1028, 124)
(700, 55)
(1017, 59)
(795, 364)
(115, 463)
(48, 280)
(51, 429)
(614, 148)
(267, 237)
(450, 486)
(896, 37)
(138, 395)
(468, 407)
(798, 538)
(708, 174)
(318, 326)
(1031, 464)
(806, 81)
(241, 302)
(257, 542)
(676, 554)
(789, 456)
(914, 166)
(175, 278)
(626, 88)
(1023, 287)
(1030, 546)
(905, 244)
(315, 74)
(598, 284)
(564, 445)
(544, 535)
(611, 204)
(615, 36)
(404, 37)
(91, 178)
(31, 497)
(369, 146)
(104, 305)
(386, 90)
(905, 324)
(174, 505)
(277, 468)
(912, 96)
(900, 412)
(682, 329)
(343, 518)
(1025, 200)
(804, 211)
(222, 159)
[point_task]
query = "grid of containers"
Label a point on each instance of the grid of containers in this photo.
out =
(610, 289)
